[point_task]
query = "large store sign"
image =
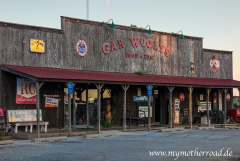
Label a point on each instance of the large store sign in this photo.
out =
(136, 41)
(25, 91)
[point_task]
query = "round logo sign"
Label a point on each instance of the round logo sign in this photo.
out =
(228, 97)
(81, 48)
(214, 63)
(182, 97)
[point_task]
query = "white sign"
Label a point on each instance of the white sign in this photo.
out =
(25, 91)
(51, 102)
(23, 115)
(145, 109)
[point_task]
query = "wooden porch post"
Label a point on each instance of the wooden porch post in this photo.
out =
(170, 105)
(125, 88)
(99, 87)
(190, 106)
(38, 87)
(87, 104)
(225, 107)
(208, 92)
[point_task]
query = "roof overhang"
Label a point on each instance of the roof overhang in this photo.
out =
(81, 76)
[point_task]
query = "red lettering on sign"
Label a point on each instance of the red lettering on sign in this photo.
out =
(136, 55)
(30, 88)
(166, 52)
(126, 54)
(129, 55)
(143, 42)
(151, 57)
(135, 41)
(24, 88)
(133, 55)
(149, 43)
(114, 46)
(121, 44)
(161, 47)
(105, 50)
(145, 56)
(148, 57)
(155, 45)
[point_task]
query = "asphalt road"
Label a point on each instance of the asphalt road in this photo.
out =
(133, 146)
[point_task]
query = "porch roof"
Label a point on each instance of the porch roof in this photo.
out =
(68, 75)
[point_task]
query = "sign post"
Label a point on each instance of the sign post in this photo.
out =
(149, 104)
(70, 91)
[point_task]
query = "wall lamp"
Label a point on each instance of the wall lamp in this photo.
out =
(149, 31)
(112, 25)
(181, 37)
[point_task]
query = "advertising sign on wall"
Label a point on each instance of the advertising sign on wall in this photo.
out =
(142, 98)
(25, 91)
(51, 102)
(37, 46)
(145, 109)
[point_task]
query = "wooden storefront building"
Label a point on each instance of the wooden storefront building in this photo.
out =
(102, 63)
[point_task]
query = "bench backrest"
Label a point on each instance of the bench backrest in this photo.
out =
(22, 115)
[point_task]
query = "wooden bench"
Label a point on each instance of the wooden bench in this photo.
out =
(132, 109)
(25, 118)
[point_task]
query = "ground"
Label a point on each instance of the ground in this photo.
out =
(130, 146)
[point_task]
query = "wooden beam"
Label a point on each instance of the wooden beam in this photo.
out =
(170, 105)
(208, 92)
(125, 88)
(225, 107)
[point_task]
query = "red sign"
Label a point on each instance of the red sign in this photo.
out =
(26, 91)
(106, 48)
(182, 97)
(228, 97)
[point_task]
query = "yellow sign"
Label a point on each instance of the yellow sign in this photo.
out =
(37, 46)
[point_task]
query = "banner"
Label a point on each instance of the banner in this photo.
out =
(25, 91)
(51, 102)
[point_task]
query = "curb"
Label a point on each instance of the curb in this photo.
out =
(171, 130)
(6, 142)
(36, 140)
(98, 135)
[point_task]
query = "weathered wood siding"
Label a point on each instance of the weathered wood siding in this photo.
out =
(15, 47)
(177, 63)
(60, 50)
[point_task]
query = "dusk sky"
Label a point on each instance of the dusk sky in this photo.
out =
(217, 21)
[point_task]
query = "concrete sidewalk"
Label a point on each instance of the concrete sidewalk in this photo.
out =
(91, 130)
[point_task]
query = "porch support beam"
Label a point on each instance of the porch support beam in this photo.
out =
(208, 92)
(38, 106)
(170, 88)
(99, 88)
(125, 88)
(87, 104)
(190, 89)
(225, 106)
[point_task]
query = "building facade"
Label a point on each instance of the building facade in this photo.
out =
(91, 54)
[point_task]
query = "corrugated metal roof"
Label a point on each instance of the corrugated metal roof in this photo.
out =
(54, 73)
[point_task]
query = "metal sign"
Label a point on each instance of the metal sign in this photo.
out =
(150, 90)
(142, 98)
(182, 97)
(228, 97)
(37, 46)
(70, 88)
(201, 97)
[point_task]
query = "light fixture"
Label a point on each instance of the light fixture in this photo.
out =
(181, 37)
(149, 31)
(112, 25)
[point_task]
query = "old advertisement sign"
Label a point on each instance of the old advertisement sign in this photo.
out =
(25, 91)
(37, 46)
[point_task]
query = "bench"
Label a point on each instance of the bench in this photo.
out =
(132, 109)
(25, 118)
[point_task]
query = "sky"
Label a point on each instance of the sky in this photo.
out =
(217, 21)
